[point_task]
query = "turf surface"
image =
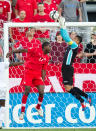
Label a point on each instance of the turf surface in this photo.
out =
(74, 129)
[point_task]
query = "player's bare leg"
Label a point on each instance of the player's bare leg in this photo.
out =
(2, 112)
(24, 100)
(40, 99)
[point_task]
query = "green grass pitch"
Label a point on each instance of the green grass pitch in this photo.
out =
(74, 129)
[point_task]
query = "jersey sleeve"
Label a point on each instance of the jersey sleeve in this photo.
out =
(67, 38)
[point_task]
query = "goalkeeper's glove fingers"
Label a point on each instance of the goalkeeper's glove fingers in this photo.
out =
(62, 22)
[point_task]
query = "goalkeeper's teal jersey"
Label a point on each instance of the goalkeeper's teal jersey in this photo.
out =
(71, 50)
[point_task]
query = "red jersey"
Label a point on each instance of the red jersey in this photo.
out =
(56, 1)
(5, 7)
(19, 32)
(38, 1)
(40, 18)
(49, 8)
(28, 6)
(25, 44)
(36, 60)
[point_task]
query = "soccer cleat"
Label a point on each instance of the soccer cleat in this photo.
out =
(21, 116)
(83, 106)
(89, 100)
(40, 111)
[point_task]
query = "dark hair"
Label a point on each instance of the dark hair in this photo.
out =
(40, 3)
(45, 44)
(79, 38)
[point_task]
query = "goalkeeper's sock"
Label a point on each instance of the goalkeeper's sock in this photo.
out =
(80, 92)
(40, 99)
(24, 100)
(76, 95)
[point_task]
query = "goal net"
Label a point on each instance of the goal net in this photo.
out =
(60, 108)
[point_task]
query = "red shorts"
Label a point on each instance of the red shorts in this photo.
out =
(32, 78)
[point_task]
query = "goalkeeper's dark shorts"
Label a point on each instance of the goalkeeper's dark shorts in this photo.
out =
(67, 73)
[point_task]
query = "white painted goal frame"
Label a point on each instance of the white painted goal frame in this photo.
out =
(48, 25)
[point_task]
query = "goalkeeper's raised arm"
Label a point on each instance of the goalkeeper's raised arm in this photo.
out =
(65, 34)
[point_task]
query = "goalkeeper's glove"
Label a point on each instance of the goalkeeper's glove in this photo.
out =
(62, 22)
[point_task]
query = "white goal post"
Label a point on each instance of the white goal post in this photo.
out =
(53, 26)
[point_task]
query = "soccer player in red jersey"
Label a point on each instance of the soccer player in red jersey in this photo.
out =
(27, 42)
(30, 7)
(35, 70)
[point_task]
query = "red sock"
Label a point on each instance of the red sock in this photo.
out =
(24, 100)
(40, 99)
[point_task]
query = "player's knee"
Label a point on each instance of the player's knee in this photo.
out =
(27, 90)
(68, 87)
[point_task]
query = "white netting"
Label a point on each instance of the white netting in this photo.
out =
(60, 109)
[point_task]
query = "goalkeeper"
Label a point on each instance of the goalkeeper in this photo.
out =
(67, 68)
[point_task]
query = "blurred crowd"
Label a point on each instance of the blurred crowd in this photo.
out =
(38, 11)
(72, 10)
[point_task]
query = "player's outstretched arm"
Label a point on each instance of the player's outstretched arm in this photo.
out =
(65, 34)
(16, 63)
(16, 51)
(63, 30)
